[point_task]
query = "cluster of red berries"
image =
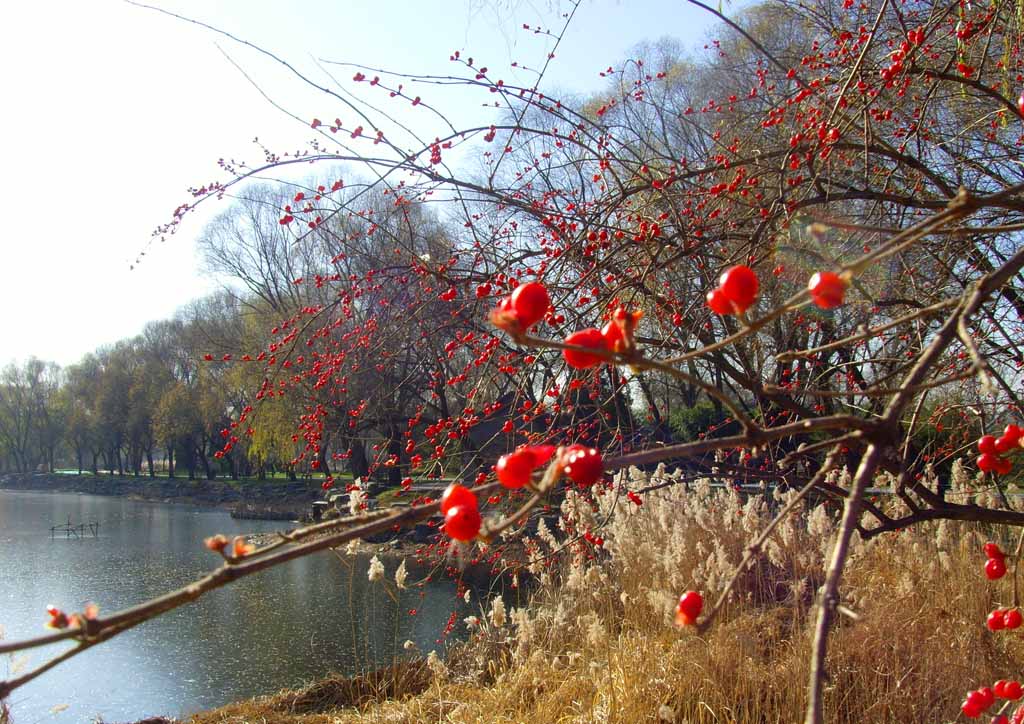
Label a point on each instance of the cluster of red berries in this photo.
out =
(522, 309)
(515, 469)
(219, 544)
(461, 512)
(581, 464)
(738, 287)
(61, 620)
(736, 291)
(1011, 690)
(995, 566)
(529, 302)
(615, 336)
(979, 700)
(993, 449)
(1004, 618)
(690, 605)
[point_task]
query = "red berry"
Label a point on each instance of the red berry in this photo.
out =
(995, 569)
(589, 337)
(992, 550)
(1000, 719)
(1013, 690)
(530, 302)
(58, 619)
(582, 464)
(456, 494)
(999, 688)
(506, 318)
(1013, 433)
(987, 444)
(1020, 104)
(988, 697)
(690, 605)
(541, 453)
(988, 462)
(970, 710)
(1012, 619)
(613, 337)
(515, 469)
(1005, 444)
(618, 333)
(827, 289)
(718, 302)
(994, 621)
(462, 522)
(976, 700)
(1004, 466)
(740, 286)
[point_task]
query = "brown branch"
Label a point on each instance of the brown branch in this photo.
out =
(829, 598)
(755, 438)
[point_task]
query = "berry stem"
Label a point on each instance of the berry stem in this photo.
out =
(491, 530)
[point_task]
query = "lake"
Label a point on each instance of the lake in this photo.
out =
(280, 628)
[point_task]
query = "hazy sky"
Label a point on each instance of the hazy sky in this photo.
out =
(112, 111)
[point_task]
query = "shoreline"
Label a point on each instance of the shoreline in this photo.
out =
(263, 498)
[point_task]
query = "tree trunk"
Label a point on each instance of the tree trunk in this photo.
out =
(322, 457)
(206, 464)
(357, 462)
(395, 451)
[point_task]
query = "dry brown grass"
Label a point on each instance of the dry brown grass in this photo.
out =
(597, 645)
(330, 694)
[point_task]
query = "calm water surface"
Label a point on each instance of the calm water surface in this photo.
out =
(276, 629)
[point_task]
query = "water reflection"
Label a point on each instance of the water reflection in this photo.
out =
(280, 628)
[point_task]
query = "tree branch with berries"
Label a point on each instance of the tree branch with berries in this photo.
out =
(813, 231)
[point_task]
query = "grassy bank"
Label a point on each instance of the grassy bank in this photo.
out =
(597, 642)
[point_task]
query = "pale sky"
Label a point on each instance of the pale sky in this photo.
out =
(111, 111)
